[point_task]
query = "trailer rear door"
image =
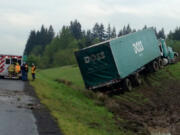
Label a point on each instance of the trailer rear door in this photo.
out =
(97, 65)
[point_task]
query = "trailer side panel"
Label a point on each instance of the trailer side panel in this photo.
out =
(135, 50)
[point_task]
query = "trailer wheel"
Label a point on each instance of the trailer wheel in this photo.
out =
(155, 66)
(160, 63)
(127, 85)
(137, 79)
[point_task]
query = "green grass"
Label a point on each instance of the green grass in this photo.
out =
(76, 114)
(174, 44)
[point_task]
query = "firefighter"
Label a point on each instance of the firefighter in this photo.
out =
(33, 69)
(11, 70)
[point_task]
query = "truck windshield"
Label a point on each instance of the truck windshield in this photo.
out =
(7, 61)
(13, 61)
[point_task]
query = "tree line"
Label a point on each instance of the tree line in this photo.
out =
(47, 49)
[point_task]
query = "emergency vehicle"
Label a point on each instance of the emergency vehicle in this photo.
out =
(5, 62)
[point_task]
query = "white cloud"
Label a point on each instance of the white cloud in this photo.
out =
(11, 45)
(18, 17)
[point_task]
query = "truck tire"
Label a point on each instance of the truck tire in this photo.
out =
(160, 63)
(127, 85)
(137, 79)
(155, 66)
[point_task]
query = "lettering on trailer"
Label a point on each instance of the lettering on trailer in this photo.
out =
(138, 47)
(94, 57)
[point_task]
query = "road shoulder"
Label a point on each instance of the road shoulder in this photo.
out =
(46, 124)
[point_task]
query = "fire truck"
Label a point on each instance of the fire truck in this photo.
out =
(8, 61)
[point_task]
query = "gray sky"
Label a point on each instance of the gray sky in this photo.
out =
(18, 17)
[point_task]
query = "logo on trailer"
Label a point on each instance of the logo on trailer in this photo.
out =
(138, 47)
(94, 57)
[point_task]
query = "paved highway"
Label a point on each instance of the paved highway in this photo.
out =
(20, 113)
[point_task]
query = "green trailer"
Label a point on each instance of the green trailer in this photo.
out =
(117, 60)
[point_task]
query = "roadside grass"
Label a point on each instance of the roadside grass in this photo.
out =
(78, 111)
(75, 113)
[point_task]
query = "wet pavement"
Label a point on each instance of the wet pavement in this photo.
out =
(20, 113)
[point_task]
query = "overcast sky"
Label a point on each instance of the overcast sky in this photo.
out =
(18, 17)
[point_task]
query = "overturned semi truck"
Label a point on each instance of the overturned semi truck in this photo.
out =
(118, 62)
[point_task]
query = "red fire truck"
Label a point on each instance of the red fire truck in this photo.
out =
(6, 61)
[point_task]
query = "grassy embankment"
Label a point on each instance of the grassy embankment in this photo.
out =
(80, 112)
(62, 91)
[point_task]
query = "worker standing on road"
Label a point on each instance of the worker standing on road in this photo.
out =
(17, 68)
(26, 72)
(33, 69)
(11, 70)
(23, 71)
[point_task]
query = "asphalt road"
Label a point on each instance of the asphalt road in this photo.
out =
(21, 113)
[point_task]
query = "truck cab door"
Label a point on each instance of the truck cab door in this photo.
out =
(6, 65)
(160, 48)
(164, 48)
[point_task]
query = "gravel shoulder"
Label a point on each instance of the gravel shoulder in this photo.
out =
(47, 125)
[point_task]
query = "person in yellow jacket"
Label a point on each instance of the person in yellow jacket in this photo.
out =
(33, 69)
(11, 70)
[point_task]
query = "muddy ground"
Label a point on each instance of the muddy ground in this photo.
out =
(21, 112)
(147, 109)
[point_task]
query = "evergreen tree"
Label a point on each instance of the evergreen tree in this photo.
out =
(170, 35)
(101, 32)
(109, 31)
(89, 38)
(120, 33)
(113, 34)
(124, 32)
(37, 41)
(145, 27)
(161, 34)
(75, 28)
(128, 29)
(51, 33)
(96, 30)
(134, 30)
(30, 42)
(175, 35)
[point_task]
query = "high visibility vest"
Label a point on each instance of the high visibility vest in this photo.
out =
(18, 68)
(33, 69)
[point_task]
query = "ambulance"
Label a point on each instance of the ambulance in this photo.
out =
(7, 66)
